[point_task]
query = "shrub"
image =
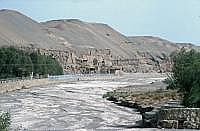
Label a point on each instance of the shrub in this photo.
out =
(4, 122)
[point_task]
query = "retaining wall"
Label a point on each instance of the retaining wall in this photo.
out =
(180, 118)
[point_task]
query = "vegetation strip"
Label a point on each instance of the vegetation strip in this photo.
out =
(18, 63)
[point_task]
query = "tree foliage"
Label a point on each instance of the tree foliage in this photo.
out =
(18, 63)
(186, 76)
(44, 65)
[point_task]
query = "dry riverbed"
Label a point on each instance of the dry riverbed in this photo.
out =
(76, 105)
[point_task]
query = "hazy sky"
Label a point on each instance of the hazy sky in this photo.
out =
(175, 20)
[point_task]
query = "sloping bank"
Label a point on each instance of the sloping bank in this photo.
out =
(20, 84)
(8, 86)
(159, 109)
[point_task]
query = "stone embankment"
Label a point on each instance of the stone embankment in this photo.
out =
(179, 118)
(172, 117)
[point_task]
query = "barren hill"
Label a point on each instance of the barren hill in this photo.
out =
(82, 35)
(158, 45)
(154, 45)
(17, 29)
(77, 44)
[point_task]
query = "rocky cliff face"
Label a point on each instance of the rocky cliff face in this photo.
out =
(87, 47)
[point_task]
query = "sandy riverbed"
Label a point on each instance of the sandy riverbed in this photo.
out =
(75, 105)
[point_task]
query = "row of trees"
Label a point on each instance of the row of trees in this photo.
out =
(186, 76)
(17, 63)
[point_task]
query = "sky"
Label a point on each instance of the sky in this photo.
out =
(174, 20)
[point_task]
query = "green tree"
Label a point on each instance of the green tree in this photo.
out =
(44, 65)
(186, 76)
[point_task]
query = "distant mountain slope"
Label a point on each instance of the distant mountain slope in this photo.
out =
(73, 41)
(155, 45)
(80, 35)
(19, 30)
(158, 46)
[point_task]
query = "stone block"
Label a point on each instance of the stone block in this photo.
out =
(169, 124)
(191, 125)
